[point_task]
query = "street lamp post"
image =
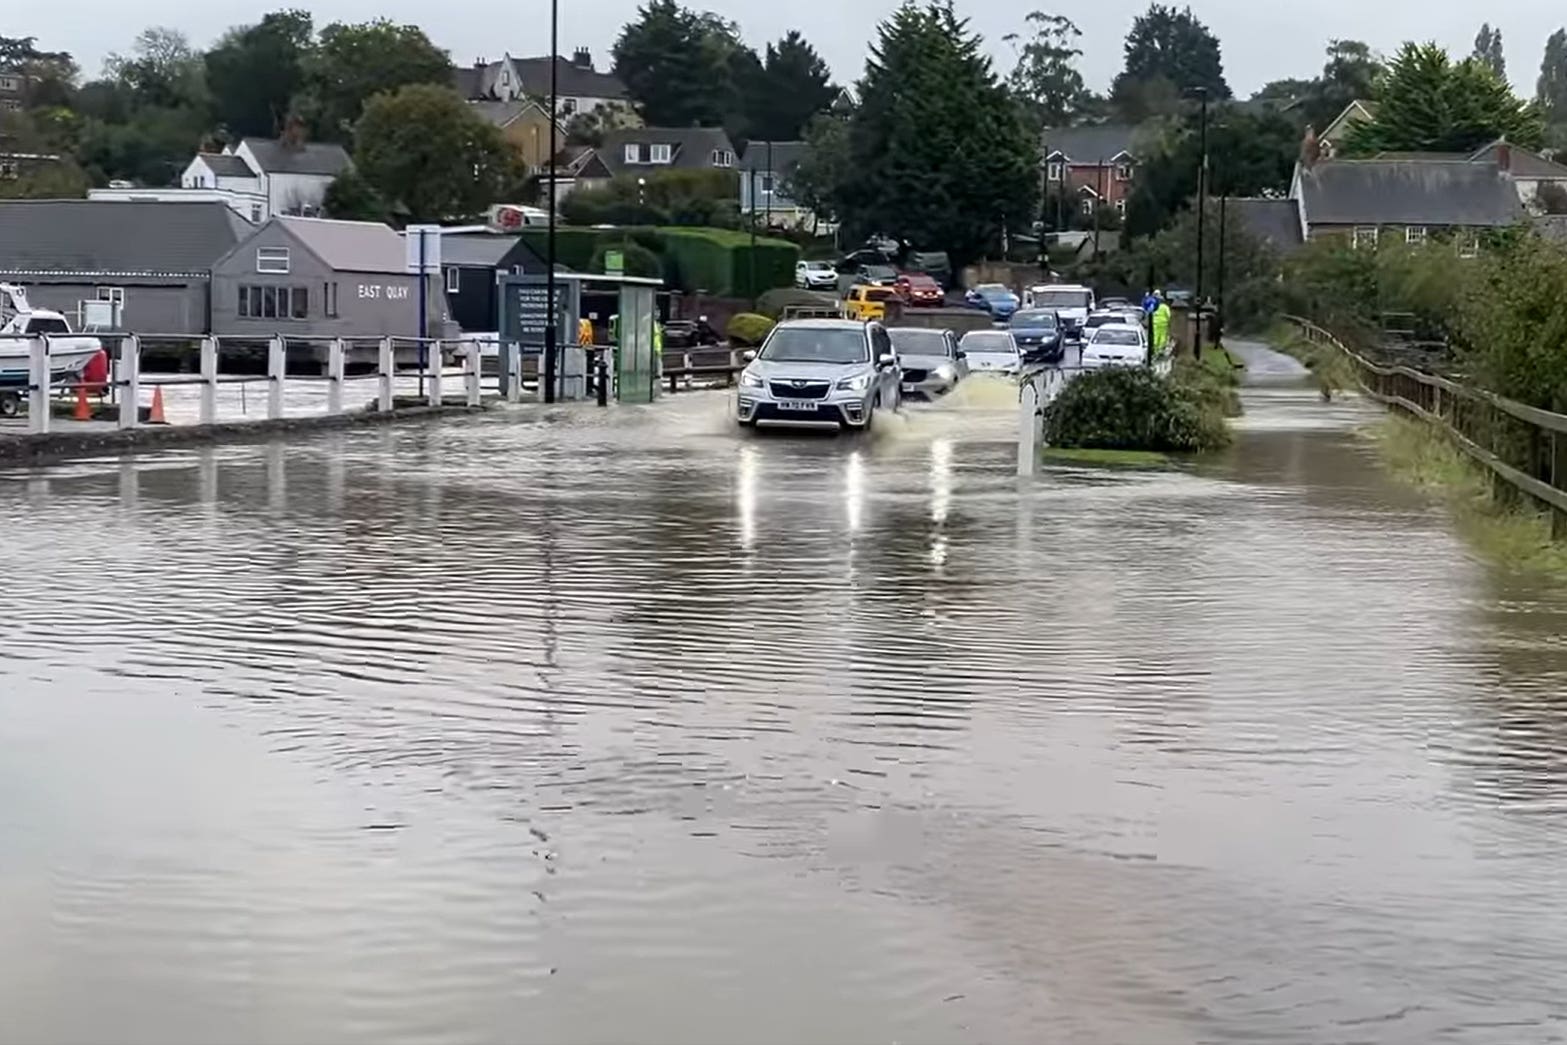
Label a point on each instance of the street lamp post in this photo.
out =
(552, 325)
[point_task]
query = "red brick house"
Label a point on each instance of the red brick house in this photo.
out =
(1090, 167)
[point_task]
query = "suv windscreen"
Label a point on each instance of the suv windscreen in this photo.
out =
(920, 342)
(1059, 299)
(815, 345)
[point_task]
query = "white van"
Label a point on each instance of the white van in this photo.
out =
(1069, 301)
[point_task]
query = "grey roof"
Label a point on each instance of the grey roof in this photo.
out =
(1523, 163)
(113, 236)
(1404, 192)
(307, 158)
(1275, 222)
(502, 113)
(482, 249)
(1091, 144)
(575, 81)
(350, 246)
(691, 147)
(786, 156)
(226, 165)
(468, 80)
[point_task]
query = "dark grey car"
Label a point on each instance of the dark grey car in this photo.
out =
(931, 361)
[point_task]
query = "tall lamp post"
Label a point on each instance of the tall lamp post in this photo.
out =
(552, 325)
(1202, 211)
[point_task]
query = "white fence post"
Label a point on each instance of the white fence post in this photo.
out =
(130, 381)
(386, 368)
(335, 354)
(511, 359)
(433, 357)
(276, 363)
(38, 374)
(209, 377)
(472, 361)
(1027, 427)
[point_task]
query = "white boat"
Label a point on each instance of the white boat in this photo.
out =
(20, 323)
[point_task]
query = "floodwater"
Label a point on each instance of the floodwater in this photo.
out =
(621, 728)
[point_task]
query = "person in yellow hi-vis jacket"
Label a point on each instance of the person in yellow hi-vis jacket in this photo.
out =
(584, 331)
(1161, 326)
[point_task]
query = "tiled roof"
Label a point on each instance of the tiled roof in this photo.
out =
(1407, 192)
(350, 246)
(691, 148)
(104, 236)
(322, 158)
(785, 156)
(1091, 144)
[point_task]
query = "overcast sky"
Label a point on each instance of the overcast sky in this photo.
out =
(1263, 40)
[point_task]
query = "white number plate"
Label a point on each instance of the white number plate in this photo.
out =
(805, 406)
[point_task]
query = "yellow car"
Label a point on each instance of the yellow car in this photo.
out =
(867, 303)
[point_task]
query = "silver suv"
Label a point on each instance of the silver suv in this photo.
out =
(820, 372)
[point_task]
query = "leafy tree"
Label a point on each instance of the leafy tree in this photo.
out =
(163, 71)
(824, 167)
(1428, 103)
(678, 65)
(793, 86)
(1551, 89)
(353, 63)
(1286, 92)
(1251, 153)
(430, 156)
(255, 71)
(1350, 73)
(34, 134)
(698, 197)
(151, 148)
(1168, 53)
(938, 153)
(351, 197)
(1488, 51)
(589, 128)
(1045, 78)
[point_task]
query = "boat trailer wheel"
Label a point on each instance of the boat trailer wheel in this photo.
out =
(10, 404)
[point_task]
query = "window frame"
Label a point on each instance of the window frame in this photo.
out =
(453, 279)
(1468, 244)
(1120, 207)
(299, 303)
(1416, 235)
(661, 153)
(10, 83)
(329, 299)
(116, 295)
(1366, 235)
(277, 253)
(632, 152)
(1055, 170)
(1123, 172)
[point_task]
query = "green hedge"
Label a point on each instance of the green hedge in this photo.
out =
(748, 329)
(574, 248)
(714, 261)
(1132, 408)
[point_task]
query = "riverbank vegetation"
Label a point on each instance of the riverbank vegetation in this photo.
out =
(1510, 533)
(1133, 408)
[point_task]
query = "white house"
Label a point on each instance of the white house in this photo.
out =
(258, 178)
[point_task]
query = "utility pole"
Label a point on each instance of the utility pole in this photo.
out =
(552, 325)
(1218, 319)
(1202, 212)
(1099, 187)
(772, 184)
(752, 174)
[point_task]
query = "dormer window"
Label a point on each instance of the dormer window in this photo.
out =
(633, 152)
(723, 158)
(661, 154)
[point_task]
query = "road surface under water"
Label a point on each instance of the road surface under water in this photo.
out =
(621, 728)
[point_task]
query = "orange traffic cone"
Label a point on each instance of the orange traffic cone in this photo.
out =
(155, 415)
(83, 412)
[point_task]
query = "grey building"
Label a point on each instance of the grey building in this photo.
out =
(768, 166)
(313, 277)
(470, 265)
(1363, 200)
(152, 259)
(637, 151)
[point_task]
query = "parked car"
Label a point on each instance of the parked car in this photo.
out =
(930, 359)
(868, 301)
(815, 275)
(991, 350)
(1038, 334)
(1070, 302)
(877, 275)
(919, 290)
(1116, 344)
(993, 298)
(820, 373)
(933, 263)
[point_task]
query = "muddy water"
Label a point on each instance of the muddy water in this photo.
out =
(621, 728)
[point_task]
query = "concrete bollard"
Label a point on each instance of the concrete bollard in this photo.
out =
(38, 375)
(276, 364)
(511, 359)
(209, 378)
(433, 355)
(1027, 428)
(386, 370)
(129, 380)
(336, 364)
(472, 361)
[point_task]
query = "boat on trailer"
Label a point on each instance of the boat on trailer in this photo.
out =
(20, 324)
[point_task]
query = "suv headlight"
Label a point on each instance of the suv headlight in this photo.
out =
(750, 380)
(857, 383)
(946, 372)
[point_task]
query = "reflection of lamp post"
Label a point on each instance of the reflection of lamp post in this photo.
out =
(551, 327)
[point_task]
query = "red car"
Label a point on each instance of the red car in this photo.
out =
(918, 289)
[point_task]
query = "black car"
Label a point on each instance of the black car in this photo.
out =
(1038, 334)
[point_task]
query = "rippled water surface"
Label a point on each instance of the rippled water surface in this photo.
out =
(621, 729)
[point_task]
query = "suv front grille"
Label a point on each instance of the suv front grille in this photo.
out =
(800, 389)
(915, 376)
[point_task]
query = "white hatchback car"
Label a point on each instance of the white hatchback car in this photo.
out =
(994, 351)
(815, 275)
(1116, 344)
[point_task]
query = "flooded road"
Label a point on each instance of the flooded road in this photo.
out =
(623, 729)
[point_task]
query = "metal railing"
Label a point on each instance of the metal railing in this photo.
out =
(128, 380)
(1524, 447)
(684, 367)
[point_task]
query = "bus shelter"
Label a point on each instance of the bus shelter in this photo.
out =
(525, 315)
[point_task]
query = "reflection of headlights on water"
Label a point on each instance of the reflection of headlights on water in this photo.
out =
(858, 383)
(750, 380)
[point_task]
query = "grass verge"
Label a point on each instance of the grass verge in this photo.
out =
(1512, 534)
(1327, 364)
(1106, 458)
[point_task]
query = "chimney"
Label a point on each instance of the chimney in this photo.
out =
(1504, 156)
(1310, 148)
(293, 136)
(583, 59)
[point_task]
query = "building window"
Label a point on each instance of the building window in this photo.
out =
(723, 158)
(273, 260)
(1123, 172)
(767, 184)
(1365, 236)
(7, 170)
(568, 106)
(454, 280)
(1120, 207)
(115, 295)
(1415, 235)
(1054, 170)
(274, 302)
(255, 213)
(10, 83)
(1469, 244)
(633, 152)
(1088, 205)
(660, 154)
(10, 104)
(329, 299)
